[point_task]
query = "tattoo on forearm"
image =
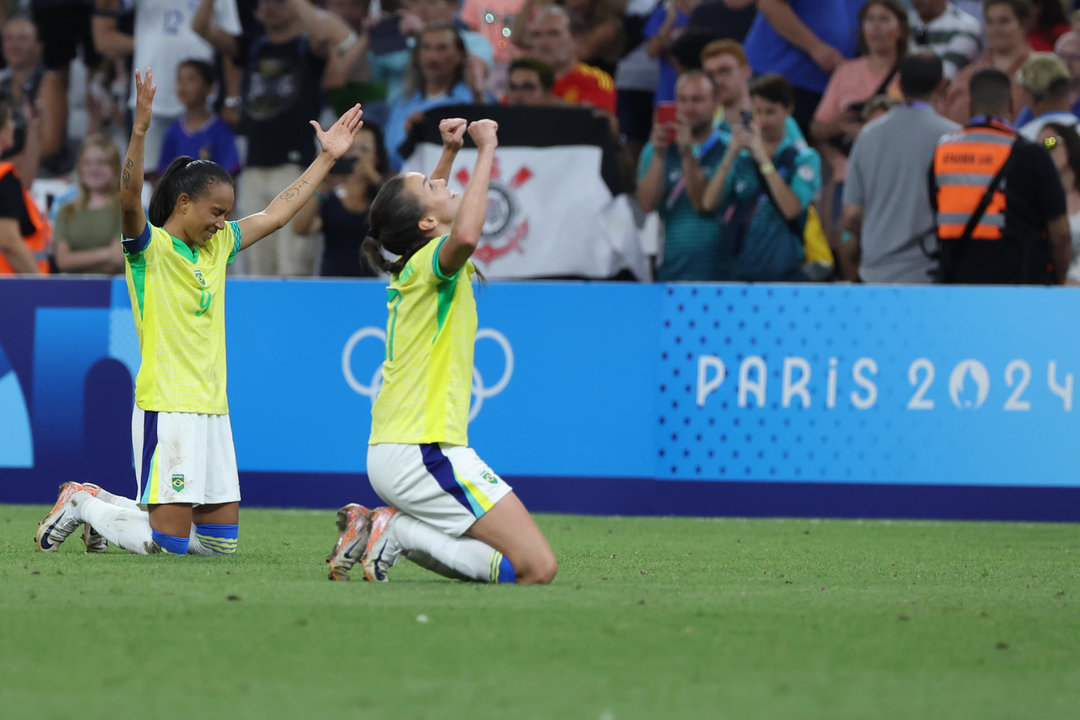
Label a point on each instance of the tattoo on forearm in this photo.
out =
(294, 192)
(126, 175)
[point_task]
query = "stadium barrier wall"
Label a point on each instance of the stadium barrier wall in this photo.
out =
(710, 400)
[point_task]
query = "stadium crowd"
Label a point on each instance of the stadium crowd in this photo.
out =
(862, 140)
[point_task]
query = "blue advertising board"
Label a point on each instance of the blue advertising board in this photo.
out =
(842, 401)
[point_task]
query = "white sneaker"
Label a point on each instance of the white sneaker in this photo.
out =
(61, 521)
(94, 541)
(383, 549)
(354, 524)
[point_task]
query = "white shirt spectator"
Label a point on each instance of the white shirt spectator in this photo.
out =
(164, 39)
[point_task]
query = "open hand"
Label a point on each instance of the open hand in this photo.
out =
(453, 133)
(336, 141)
(144, 100)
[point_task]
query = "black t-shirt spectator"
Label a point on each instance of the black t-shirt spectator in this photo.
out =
(1033, 197)
(343, 233)
(282, 92)
(13, 205)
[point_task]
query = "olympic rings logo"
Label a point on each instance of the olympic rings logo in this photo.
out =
(480, 391)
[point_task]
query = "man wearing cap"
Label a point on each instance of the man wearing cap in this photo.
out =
(1045, 80)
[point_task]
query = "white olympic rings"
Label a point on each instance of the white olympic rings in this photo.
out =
(480, 391)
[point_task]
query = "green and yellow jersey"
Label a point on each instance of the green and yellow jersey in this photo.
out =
(428, 370)
(178, 300)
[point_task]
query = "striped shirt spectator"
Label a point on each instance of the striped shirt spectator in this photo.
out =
(949, 32)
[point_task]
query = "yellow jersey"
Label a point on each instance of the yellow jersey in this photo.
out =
(178, 300)
(428, 370)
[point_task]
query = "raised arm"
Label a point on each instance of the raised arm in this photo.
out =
(326, 30)
(469, 221)
(203, 25)
(453, 138)
(650, 188)
(788, 25)
(335, 142)
(132, 217)
(714, 189)
(108, 39)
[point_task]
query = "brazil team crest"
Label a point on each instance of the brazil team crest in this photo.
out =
(199, 277)
(178, 483)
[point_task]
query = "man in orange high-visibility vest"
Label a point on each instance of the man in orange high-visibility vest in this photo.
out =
(1001, 213)
(24, 232)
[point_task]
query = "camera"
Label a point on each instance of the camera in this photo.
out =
(746, 117)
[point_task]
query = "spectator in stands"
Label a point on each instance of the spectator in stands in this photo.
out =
(668, 21)
(481, 54)
(198, 133)
(162, 38)
(392, 39)
(803, 40)
(24, 233)
(886, 208)
(1045, 80)
(1063, 144)
(284, 72)
(725, 62)
(883, 37)
(340, 211)
(1049, 24)
(26, 80)
(501, 22)
(1068, 49)
(1007, 49)
(599, 41)
(551, 37)
(86, 238)
(1022, 234)
(675, 165)
(764, 186)
(530, 83)
(636, 76)
(63, 28)
(437, 76)
(952, 34)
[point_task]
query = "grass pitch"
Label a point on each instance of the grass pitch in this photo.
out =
(648, 618)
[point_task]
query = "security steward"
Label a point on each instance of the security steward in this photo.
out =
(1001, 213)
(25, 233)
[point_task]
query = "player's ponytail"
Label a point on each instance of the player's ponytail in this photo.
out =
(184, 175)
(395, 227)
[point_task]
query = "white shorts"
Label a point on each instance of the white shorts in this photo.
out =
(446, 486)
(184, 458)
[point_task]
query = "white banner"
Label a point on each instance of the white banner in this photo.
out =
(550, 214)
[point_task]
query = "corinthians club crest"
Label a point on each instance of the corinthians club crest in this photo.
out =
(504, 227)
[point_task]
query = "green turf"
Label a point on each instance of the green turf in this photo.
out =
(648, 618)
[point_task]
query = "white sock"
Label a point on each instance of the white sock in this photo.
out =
(123, 526)
(462, 558)
(119, 500)
(195, 546)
